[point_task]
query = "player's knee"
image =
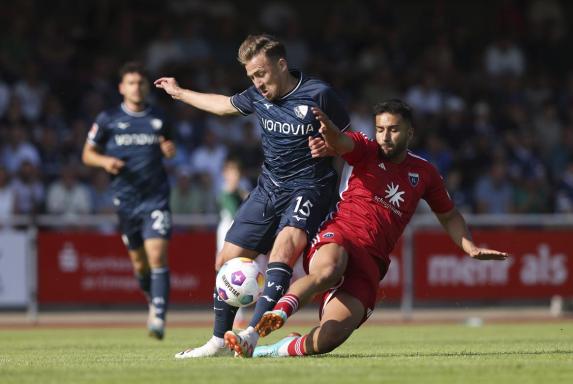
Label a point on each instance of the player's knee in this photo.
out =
(140, 268)
(327, 276)
(222, 258)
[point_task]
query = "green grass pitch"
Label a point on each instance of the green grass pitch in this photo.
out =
(508, 353)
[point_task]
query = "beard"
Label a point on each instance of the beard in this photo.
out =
(395, 151)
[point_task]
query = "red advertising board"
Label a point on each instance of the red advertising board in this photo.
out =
(540, 266)
(93, 268)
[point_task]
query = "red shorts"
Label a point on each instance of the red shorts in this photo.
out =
(363, 271)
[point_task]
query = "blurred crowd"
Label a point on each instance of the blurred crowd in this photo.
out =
(491, 84)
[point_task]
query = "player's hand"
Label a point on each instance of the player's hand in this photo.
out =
(169, 85)
(488, 254)
(113, 165)
(318, 147)
(328, 129)
(167, 147)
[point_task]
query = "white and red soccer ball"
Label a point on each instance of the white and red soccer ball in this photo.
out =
(240, 282)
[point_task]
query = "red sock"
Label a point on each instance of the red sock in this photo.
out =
(288, 304)
(296, 347)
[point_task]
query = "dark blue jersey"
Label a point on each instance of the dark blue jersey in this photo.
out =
(286, 125)
(133, 137)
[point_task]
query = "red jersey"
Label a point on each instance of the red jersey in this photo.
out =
(379, 197)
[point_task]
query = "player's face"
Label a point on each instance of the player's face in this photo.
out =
(393, 135)
(267, 75)
(134, 87)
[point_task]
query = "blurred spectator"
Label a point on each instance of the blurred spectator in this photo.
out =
(189, 127)
(381, 85)
(18, 149)
(29, 190)
(54, 116)
(5, 95)
(459, 194)
(209, 157)
(362, 120)
(192, 194)
(101, 196)
(503, 57)
(561, 154)
(67, 196)
(194, 47)
(531, 195)
(164, 50)
(250, 152)
(31, 91)
(275, 15)
(7, 196)
(183, 198)
(425, 98)
(564, 202)
(437, 153)
(51, 155)
(230, 198)
(547, 127)
(543, 12)
(538, 92)
(494, 192)
(296, 45)
(524, 161)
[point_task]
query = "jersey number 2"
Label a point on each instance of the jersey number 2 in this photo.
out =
(161, 221)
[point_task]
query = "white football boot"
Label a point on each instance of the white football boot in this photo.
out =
(213, 348)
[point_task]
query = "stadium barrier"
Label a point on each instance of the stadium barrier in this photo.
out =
(82, 261)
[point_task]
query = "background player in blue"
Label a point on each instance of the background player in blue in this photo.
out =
(294, 190)
(129, 142)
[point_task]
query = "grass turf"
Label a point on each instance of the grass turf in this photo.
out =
(518, 353)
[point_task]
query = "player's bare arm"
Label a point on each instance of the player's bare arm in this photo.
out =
(455, 225)
(208, 102)
(93, 158)
(333, 137)
(167, 147)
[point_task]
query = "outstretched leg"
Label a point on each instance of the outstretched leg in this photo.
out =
(325, 271)
(340, 317)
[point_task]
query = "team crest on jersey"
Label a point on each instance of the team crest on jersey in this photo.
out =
(328, 235)
(156, 124)
(414, 178)
(301, 111)
(122, 125)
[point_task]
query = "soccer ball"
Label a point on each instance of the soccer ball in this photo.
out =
(240, 282)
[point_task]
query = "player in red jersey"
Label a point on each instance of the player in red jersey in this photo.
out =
(350, 255)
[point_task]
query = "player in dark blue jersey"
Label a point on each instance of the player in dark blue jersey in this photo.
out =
(129, 142)
(294, 191)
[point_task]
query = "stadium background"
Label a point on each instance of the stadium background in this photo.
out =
(491, 82)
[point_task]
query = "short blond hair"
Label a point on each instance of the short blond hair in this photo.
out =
(256, 44)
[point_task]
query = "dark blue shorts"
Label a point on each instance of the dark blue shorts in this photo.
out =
(135, 228)
(269, 209)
